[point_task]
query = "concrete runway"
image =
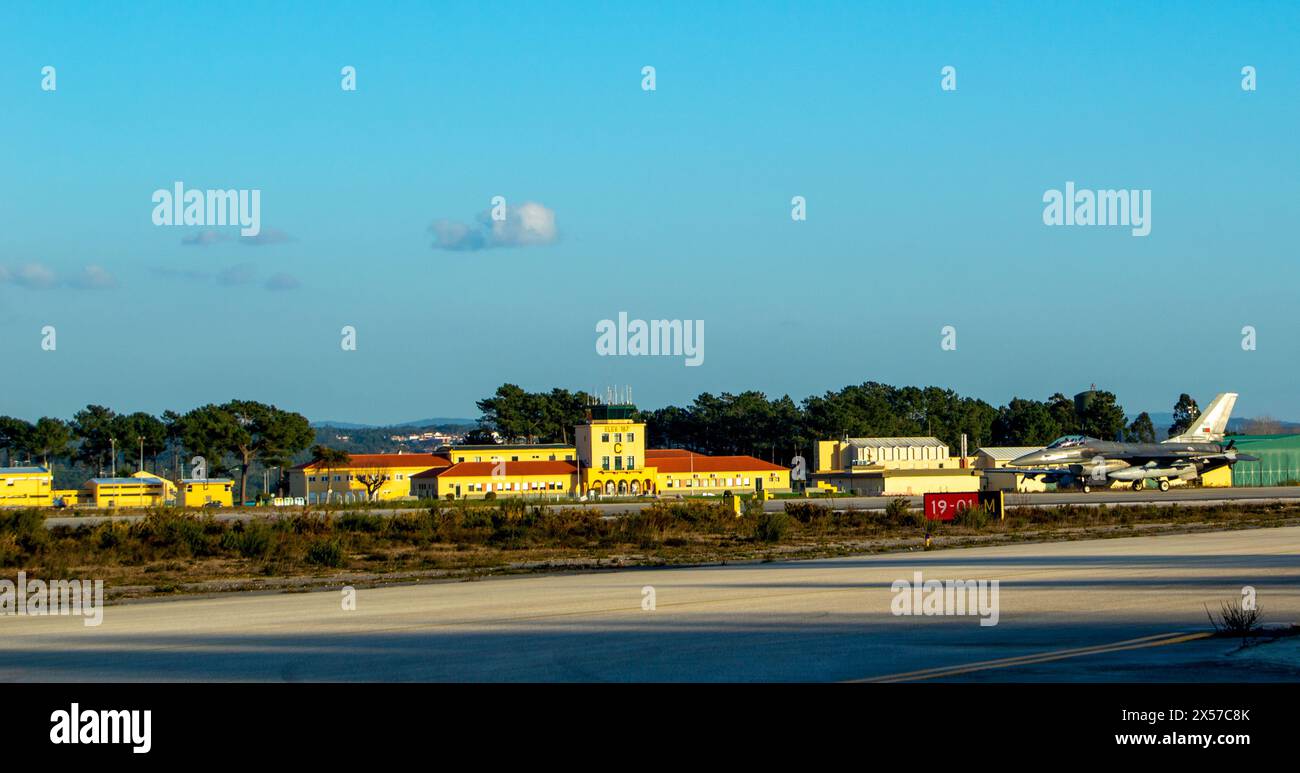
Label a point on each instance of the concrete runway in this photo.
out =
(1115, 497)
(1098, 610)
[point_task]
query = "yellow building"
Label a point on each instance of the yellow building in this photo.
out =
(169, 488)
(893, 466)
(476, 480)
(611, 452)
(1217, 478)
(695, 474)
(200, 493)
(26, 487)
(127, 492)
(541, 452)
(391, 474)
(609, 459)
(993, 461)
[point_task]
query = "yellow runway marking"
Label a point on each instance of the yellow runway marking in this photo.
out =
(1157, 640)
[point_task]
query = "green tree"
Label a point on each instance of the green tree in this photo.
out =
(329, 459)
(50, 439)
(479, 437)
(94, 425)
(139, 436)
(510, 412)
(1025, 423)
(1186, 411)
(208, 431)
(1103, 417)
(15, 437)
(173, 427)
(264, 433)
(1141, 430)
(1062, 410)
(533, 417)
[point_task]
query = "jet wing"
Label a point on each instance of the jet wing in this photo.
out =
(1183, 458)
(1058, 472)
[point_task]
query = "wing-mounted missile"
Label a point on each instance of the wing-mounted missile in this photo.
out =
(1144, 473)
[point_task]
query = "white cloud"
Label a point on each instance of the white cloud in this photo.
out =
(527, 225)
(93, 278)
(37, 276)
(33, 276)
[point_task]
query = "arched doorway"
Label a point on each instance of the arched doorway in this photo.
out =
(609, 487)
(634, 487)
(622, 487)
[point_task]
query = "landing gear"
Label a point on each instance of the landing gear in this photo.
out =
(1137, 485)
(1086, 488)
(1164, 485)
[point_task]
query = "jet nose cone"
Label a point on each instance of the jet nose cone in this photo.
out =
(1028, 460)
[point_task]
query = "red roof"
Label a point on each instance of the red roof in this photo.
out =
(363, 461)
(485, 469)
(700, 463)
(666, 453)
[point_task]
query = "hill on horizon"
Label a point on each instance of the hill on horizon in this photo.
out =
(434, 422)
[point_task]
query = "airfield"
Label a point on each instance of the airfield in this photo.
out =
(1114, 610)
(1191, 497)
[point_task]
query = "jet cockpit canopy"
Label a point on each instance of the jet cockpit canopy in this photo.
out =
(1068, 441)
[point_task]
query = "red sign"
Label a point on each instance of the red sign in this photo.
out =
(944, 507)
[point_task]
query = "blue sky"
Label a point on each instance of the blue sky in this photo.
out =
(924, 206)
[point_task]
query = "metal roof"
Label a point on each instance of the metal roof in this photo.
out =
(1007, 453)
(149, 481)
(505, 447)
(16, 470)
(897, 442)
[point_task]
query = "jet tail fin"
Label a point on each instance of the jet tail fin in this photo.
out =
(1211, 424)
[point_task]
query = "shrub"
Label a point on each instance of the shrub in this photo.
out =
(771, 527)
(899, 513)
(807, 512)
(10, 553)
(360, 522)
(22, 521)
(255, 541)
(1236, 620)
(691, 513)
(411, 524)
(303, 523)
(325, 552)
(976, 517)
(490, 495)
(572, 524)
(175, 532)
(648, 524)
(27, 528)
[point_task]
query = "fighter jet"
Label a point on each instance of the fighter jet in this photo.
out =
(1086, 461)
